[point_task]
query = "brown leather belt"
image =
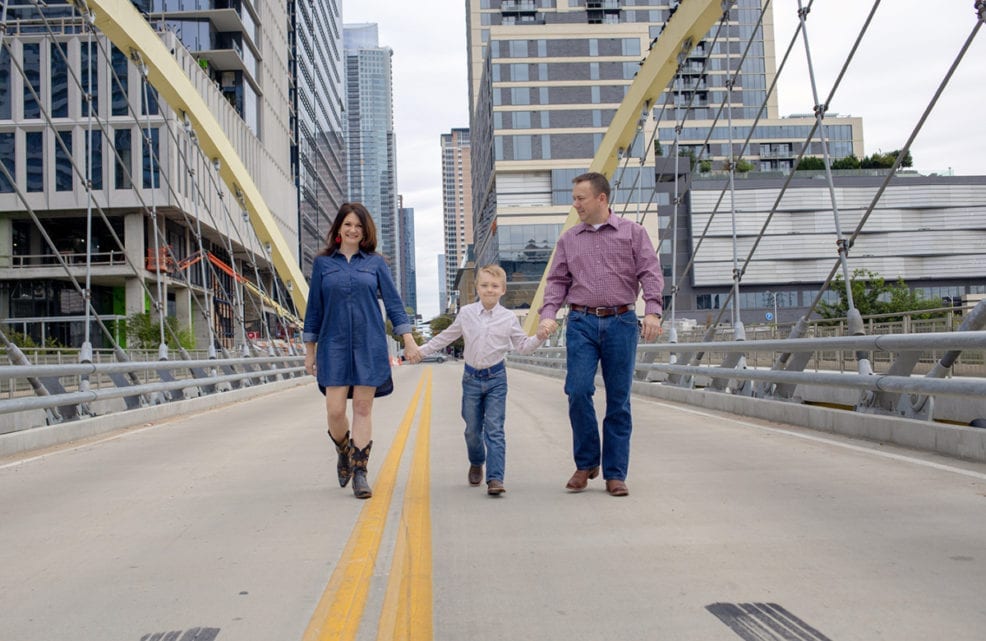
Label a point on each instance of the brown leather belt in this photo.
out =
(601, 311)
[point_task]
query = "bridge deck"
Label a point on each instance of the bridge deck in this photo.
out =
(231, 521)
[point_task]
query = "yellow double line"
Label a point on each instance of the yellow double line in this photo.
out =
(406, 612)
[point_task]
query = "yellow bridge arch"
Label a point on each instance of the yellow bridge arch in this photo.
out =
(689, 24)
(126, 28)
(129, 31)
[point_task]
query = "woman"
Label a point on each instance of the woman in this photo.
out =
(345, 339)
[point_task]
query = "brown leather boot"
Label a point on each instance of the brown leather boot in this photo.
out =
(361, 489)
(344, 466)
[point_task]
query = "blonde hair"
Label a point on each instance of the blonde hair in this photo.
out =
(496, 272)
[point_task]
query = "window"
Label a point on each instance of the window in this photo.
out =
(707, 301)
(59, 81)
(63, 161)
(89, 73)
(5, 97)
(95, 158)
(124, 159)
(32, 79)
(121, 88)
(34, 143)
(7, 158)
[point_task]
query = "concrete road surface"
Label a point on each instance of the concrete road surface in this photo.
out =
(229, 524)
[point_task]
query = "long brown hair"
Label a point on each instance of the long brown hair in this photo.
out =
(369, 242)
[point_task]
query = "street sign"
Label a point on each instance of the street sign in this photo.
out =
(769, 316)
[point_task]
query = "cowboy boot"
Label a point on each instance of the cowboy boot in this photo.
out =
(344, 467)
(361, 489)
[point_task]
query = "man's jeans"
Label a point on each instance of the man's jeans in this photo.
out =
(612, 341)
(484, 404)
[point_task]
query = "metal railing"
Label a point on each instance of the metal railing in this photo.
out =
(66, 391)
(902, 376)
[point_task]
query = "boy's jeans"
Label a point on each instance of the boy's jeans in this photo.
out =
(612, 341)
(484, 401)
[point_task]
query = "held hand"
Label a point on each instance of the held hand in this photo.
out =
(548, 326)
(652, 327)
(412, 354)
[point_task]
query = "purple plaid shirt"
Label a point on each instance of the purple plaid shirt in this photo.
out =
(604, 268)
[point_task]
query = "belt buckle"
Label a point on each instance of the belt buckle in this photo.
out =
(601, 311)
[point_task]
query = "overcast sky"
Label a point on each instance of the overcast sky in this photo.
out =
(906, 53)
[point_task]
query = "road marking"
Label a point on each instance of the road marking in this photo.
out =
(764, 622)
(407, 607)
(820, 439)
(338, 613)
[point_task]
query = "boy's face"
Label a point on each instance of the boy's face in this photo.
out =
(490, 289)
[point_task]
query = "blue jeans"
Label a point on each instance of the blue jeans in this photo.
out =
(484, 407)
(612, 341)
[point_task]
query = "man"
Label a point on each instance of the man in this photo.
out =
(599, 267)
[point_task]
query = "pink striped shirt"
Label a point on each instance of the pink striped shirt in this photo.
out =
(604, 267)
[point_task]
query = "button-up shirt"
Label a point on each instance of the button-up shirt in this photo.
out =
(604, 267)
(489, 334)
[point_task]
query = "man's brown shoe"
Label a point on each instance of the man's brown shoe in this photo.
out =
(580, 480)
(475, 474)
(616, 487)
(495, 487)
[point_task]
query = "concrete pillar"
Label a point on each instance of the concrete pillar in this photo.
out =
(6, 242)
(133, 242)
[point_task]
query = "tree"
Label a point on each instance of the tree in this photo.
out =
(440, 323)
(809, 163)
(886, 161)
(143, 332)
(849, 162)
(871, 295)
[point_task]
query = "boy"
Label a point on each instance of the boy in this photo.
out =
(489, 331)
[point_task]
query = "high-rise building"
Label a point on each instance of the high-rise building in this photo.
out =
(318, 101)
(156, 191)
(456, 201)
(546, 79)
(408, 284)
(372, 164)
(442, 285)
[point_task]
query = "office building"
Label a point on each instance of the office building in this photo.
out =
(372, 164)
(408, 285)
(928, 230)
(156, 191)
(546, 79)
(456, 200)
(318, 100)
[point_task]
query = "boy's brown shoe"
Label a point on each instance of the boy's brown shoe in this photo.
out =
(495, 487)
(475, 474)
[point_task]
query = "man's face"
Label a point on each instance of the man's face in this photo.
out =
(591, 207)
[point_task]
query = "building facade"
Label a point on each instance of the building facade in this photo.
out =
(154, 197)
(408, 285)
(372, 162)
(456, 201)
(546, 79)
(929, 231)
(318, 100)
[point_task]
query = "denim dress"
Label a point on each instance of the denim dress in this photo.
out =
(343, 318)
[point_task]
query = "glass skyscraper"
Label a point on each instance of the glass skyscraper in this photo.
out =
(372, 165)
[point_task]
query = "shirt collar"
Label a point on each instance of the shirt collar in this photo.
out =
(610, 220)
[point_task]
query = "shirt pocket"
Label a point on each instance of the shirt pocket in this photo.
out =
(366, 277)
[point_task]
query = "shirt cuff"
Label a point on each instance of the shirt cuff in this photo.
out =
(548, 312)
(309, 337)
(400, 330)
(653, 308)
